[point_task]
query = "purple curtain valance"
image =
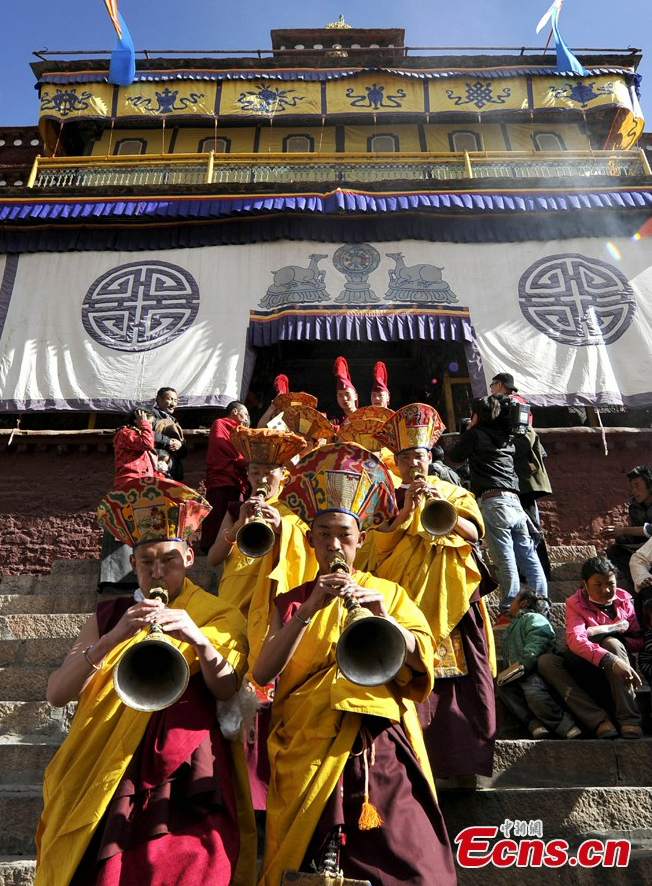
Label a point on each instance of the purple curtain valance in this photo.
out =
(360, 324)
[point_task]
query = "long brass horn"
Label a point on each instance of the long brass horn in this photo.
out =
(438, 515)
(256, 538)
(152, 674)
(371, 650)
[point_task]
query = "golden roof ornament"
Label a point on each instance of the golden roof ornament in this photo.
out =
(340, 23)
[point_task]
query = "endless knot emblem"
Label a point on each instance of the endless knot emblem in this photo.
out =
(479, 94)
(576, 300)
(140, 306)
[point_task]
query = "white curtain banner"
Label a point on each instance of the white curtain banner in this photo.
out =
(570, 319)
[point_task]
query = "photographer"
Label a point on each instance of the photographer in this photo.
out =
(489, 446)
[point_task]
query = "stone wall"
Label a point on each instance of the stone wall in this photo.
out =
(51, 485)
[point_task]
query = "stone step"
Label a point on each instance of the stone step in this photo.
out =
(17, 871)
(566, 812)
(24, 684)
(571, 553)
(28, 627)
(581, 762)
(559, 591)
(44, 651)
(20, 810)
(556, 616)
(36, 718)
(519, 763)
(30, 604)
(570, 571)
(23, 758)
(80, 576)
(637, 871)
(56, 582)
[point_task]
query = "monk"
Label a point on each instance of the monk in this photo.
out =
(443, 577)
(350, 775)
(162, 797)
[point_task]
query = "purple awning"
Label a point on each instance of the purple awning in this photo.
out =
(338, 201)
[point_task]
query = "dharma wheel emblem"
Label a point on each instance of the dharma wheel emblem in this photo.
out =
(140, 306)
(577, 300)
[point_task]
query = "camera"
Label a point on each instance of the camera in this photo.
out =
(518, 417)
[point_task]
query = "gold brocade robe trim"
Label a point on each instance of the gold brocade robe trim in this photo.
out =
(451, 658)
(316, 715)
(84, 773)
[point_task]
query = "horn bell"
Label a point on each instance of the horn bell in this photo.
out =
(256, 538)
(151, 675)
(371, 650)
(439, 516)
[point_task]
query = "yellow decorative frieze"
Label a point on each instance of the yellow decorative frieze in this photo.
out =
(580, 93)
(375, 94)
(476, 95)
(69, 102)
(174, 99)
(267, 98)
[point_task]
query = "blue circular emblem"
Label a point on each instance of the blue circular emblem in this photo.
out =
(576, 300)
(140, 306)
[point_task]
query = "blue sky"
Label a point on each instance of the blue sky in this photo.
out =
(223, 24)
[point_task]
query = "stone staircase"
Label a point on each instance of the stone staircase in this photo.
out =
(578, 790)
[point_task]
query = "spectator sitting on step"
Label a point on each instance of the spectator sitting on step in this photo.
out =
(595, 674)
(645, 657)
(629, 538)
(527, 696)
(640, 567)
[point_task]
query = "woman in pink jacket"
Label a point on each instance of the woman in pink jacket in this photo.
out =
(602, 632)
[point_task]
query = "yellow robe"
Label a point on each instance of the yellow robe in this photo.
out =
(439, 573)
(316, 715)
(251, 584)
(83, 775)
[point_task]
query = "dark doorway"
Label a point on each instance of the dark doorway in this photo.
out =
(418, 371)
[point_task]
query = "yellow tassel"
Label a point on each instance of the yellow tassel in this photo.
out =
(369, 816)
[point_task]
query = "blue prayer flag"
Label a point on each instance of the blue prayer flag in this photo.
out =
(566, 61)
(122, 69)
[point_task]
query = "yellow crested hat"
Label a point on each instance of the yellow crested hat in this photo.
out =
(416, 426)
(341, 477)
(266, 446)
(149, 509)
(285, 397)
(305, 420)
(293, 398)
(361, 426)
